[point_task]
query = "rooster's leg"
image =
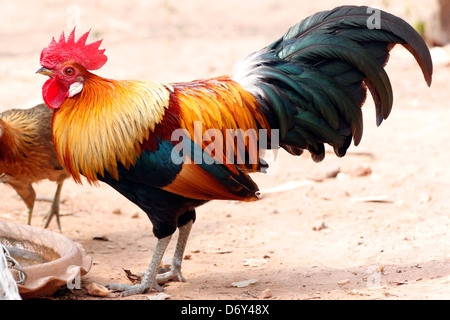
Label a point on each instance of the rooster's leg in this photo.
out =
(149, 278)
(175, 268)
(54, 211)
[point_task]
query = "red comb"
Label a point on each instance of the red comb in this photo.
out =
(87, 55)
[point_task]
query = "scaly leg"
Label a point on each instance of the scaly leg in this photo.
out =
(28, 195)
(54, 211)
(175, 268)
(30, 214)
(149, 279)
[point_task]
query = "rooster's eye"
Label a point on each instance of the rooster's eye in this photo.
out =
(69, 71)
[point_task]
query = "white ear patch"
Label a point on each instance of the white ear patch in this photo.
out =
(75, 88)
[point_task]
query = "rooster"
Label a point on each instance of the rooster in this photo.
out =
(27, 155)
(150, 140)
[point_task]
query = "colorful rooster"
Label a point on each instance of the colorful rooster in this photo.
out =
(155, 142)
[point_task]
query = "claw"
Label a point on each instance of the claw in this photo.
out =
(54, 211)
(149, 279)
(132, 289)
(172, 274)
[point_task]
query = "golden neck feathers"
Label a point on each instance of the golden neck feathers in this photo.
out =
(106, 123)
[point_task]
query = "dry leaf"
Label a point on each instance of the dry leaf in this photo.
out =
(343, 282)
(245, 283)
(254, 262)
(159, 296)
(218, 251)
(134, 278)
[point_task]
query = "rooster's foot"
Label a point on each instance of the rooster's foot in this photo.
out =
(149, 278)
(172, 274)
(132, 289)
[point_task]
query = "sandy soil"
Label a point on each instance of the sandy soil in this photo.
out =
(380, 233)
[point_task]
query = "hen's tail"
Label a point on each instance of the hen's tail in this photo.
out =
(312, 82)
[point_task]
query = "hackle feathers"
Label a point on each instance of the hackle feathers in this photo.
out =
(117, 117)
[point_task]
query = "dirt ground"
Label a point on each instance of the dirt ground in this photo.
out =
(379, 230)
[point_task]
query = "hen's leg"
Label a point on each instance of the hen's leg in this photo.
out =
(54, 211)
(175, 268)
(30, 214)
(149, 278)
(28, 195)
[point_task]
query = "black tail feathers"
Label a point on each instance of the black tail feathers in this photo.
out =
(312, 82)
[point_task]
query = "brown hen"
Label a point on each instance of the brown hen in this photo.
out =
(27, 155)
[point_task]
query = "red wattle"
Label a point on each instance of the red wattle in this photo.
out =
(54, 93)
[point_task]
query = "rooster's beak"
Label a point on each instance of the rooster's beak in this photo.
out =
(46, 72)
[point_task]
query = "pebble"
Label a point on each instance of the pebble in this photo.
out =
(97, 290)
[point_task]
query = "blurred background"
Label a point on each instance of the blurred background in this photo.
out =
(321, 232)
(163, 40)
